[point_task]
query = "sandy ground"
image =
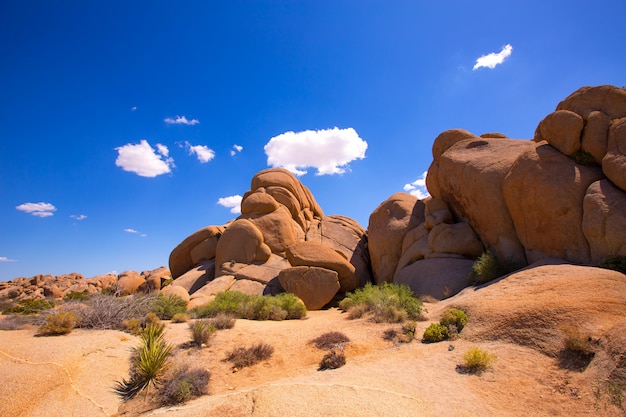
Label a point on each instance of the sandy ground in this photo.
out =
(73, 375)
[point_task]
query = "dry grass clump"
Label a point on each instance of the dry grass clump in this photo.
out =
(332, 360)
(108, 311)
(223, 321)
(180, 318)
(184, 385)
(331, 340)
(201, 332)
(242, 357)
(13, 322)
(579, 343)
(476, 361)
(59, 323)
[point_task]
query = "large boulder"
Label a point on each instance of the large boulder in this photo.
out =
(437, 278)
(315, 286)
(197, 277)
(317, 254)
(241, 242)
(471, 177)
(544, 194)
(562, 129)
(176, 291)
(181, 259)
(608, 99)
(458, 239)
(604, 220)
(596, 135)
(388, 224)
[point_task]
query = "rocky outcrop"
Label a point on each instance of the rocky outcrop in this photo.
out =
(281, 226)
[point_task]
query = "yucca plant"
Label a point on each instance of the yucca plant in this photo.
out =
(149, 363)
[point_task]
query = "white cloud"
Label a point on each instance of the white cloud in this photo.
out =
(142, 159)
(5, 259)
(493, 59)
(180, 120)
(133, 108)
(418, 187)
(37, 209)
(78, 216)
(135, 232)
(329, 150)
(204, 153)
(233, 203)
(236, 148)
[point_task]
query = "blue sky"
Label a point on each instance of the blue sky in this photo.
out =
(124, 125)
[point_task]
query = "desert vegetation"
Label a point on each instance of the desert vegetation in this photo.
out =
(330, 340)
(488, 267)
(385, 303)
(242, 357)
(201, 332)
(283, 306)
(58, 323)
(476, 361)
(184, 385)
(452, 321)
(332, 360)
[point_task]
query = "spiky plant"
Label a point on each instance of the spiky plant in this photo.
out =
(149, 363)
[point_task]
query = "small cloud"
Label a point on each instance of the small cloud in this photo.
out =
(178, 120)
(204, 153)
(493, 59)
(236, 149)
(133, 108)
(233, 203)
(5, 259)
(37, 209)
(135, 232)
(143, 160)
(78, 216)
(329, 151)
(418, 187)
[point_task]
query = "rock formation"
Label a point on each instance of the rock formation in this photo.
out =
(281, 241)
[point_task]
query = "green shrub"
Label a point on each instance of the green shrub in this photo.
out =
(253, 307)
(76, 296)
(617, 263)
(165, 307)
(149, 363)
(242, 357)
(454, 319)
(408, 329)
(62, 322)
(223, 321)
(389, 303)
(489, 267)
(201, 331)
(31, 306)
(332, 360)
(583, 158)
(185, 385)
(476, 360)
(330, 340)
(436, 332)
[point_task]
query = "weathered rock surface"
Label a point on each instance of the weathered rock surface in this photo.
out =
(437, 278)
(181, 260)
(614, 162)
(562, 129)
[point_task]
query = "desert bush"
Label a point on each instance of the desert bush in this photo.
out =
(476, 360)
(109, 312)
(132, 326)
(76, 296)
(454, 319)
(489, 267)
(617, 263)
(201, 332)
(582, 157)
(185, 385)
(330, 340)
(253, 307)
(223, 321)
(242, 357)
(577, 342)
(408, 329)
(31, 306)
(332, 360)
(148, 363)
(61, 322)
(389, 303)
(436, 332)
(180, 318)
(166, 306)
(391, 334)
